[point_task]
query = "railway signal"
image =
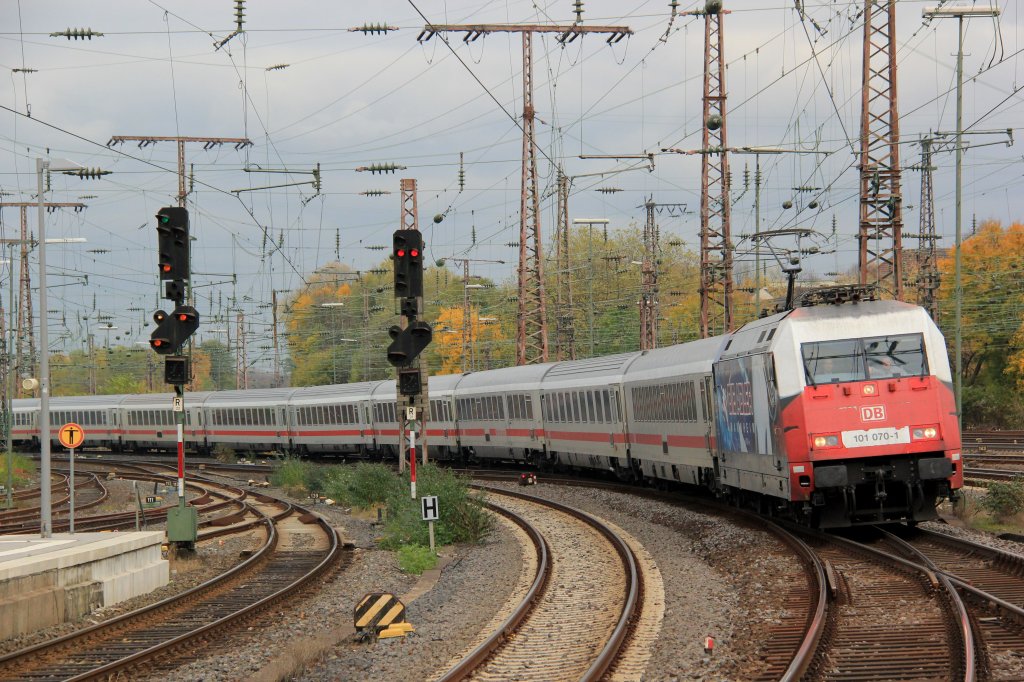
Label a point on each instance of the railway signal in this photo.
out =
(173, 330)
(409, 382)
(408, 342)
(177, 370)
(408, 255)
(173, 245)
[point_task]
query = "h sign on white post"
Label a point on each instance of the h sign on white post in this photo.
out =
(430, 514)
(429, 506)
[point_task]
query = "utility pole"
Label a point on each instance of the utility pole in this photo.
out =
(468, 336)
(532, 331)
(241, 362)
(649, 308)
(881, 210)
(207, 142)
(25, 351)
(927, 264)
(277, 350)
(565, 338)
(959, 12)
(716, 280)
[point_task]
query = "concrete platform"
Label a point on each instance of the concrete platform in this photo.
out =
(60, 579)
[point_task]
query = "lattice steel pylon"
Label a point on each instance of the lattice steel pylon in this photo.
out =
(532, 325)
(532, 328)
(716, 281)
(927, 264)
(649, 284)
(410, 212)
(881, 212)
(565, 337)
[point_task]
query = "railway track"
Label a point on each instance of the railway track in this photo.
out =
(298, 548)
(572, 621)
(992, 583)
(210, 498)
(981, 442)
(889, 619)
(89, 492)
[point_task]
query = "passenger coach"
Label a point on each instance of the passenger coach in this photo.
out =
(836, 414)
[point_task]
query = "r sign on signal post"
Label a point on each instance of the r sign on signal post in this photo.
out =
(430, 514)
(71, 436)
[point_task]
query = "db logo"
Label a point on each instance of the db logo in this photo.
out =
(872, 413)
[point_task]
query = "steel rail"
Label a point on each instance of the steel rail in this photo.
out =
(485, 649)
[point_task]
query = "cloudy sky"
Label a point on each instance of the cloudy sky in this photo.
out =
(306, 90)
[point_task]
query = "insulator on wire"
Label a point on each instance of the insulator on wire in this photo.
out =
(375, 168)
(87, 173)
(608, 190)
(76, 33)
(239, 14)
(374, 192)
(372, 29)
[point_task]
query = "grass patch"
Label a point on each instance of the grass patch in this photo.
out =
(993, 510)
(22, 469)
(291, 474)
(415, 559)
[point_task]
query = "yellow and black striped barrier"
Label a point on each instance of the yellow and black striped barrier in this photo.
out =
(382, 613)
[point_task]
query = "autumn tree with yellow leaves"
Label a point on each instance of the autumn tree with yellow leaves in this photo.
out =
(992, 261)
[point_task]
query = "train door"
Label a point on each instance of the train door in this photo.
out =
(707, 410)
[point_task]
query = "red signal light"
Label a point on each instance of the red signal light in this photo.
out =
(166, 267)
(414, 253)
(157, 343)
(401, 253)
(182, 317)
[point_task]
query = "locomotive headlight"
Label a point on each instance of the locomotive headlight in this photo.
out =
(826, 441)
(925, 433)
(868, 389)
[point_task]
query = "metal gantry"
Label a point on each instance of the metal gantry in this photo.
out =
(207, 142)
(532, 329)
(881, 211)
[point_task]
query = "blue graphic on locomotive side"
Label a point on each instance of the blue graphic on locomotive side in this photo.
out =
(744, 425)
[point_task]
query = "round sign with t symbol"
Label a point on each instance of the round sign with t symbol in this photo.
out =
(71, 435)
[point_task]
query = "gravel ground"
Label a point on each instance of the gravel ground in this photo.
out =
(446, 618)
(719, 579)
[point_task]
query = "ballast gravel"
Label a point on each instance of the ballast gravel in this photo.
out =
(718, 582)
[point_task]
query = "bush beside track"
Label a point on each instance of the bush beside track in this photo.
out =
(369, 486)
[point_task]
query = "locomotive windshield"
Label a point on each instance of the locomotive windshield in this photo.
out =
(876, 357)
